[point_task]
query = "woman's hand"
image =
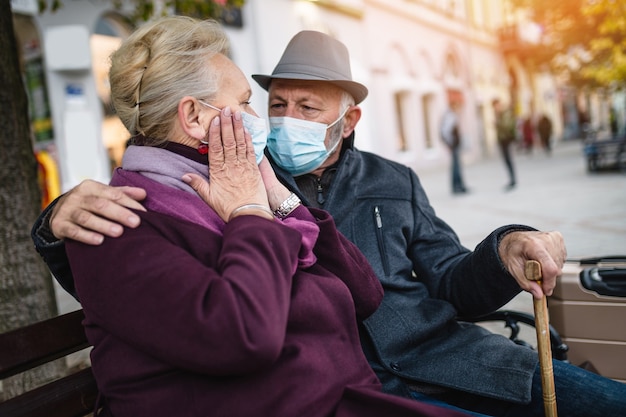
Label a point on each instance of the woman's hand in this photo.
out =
(234, 178)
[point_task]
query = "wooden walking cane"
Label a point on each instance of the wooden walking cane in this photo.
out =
(532, 271)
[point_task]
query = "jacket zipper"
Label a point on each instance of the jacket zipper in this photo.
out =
(381, 242)
(320, 191)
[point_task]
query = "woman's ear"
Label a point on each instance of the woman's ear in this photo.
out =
(190, 118)
(351, 118)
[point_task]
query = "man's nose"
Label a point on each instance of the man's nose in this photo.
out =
(290, 111)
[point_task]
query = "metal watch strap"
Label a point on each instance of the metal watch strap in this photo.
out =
(287, 206)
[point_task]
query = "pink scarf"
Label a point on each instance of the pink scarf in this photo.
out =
(159, 172)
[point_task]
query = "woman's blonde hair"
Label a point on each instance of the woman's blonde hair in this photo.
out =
(160, 63)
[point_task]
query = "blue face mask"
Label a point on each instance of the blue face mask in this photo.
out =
(297, 145)
(257, 128)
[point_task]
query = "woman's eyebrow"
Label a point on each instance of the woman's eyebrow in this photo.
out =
(247, 94)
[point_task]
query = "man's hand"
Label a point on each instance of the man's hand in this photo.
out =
(92, 210)
(547, 248)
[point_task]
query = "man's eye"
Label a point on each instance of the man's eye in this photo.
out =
(277, 109)
(310, 110)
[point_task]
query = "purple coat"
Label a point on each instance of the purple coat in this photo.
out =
(188, 322)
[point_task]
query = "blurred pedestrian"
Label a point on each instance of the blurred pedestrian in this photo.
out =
(505, 131)
(544, 128)
(450, 134)
(613, 122)
(528, 134)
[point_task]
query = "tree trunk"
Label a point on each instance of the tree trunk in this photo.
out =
(26, 290)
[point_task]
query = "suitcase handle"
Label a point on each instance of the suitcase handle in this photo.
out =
(605, 281)
(599, 259)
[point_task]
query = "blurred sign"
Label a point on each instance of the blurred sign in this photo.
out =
(24, 6)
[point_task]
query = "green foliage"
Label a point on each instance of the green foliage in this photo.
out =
(146, 9)
(584, 40)
(609, 45)
(53, 5)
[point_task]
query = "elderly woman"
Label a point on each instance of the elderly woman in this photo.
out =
(230, 298)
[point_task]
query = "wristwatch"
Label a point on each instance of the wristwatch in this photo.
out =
(287, 206)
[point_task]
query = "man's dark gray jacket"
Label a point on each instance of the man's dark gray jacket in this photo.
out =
(429, 278)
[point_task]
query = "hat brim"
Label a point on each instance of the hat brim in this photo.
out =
(357, 90)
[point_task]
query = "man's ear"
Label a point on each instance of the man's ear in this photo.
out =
(190, 118)
(352, 117)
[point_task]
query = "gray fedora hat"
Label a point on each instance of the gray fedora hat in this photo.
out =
(316, 56)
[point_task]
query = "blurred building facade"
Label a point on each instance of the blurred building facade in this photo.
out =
(413, 55)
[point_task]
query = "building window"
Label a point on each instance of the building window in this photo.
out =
(399, 100)
(427, 103)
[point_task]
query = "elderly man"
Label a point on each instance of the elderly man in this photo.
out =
(414, 341)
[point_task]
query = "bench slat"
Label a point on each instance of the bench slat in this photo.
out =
(72, 396)
(28, 347)
(42, 342)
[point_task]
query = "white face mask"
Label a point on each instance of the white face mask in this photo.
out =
(257, 128)
(297, 145)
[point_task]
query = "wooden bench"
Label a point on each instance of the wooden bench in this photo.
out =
(75, 395)
(605, 154)
(28, 347)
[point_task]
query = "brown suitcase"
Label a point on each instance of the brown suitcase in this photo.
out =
(588, 309)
